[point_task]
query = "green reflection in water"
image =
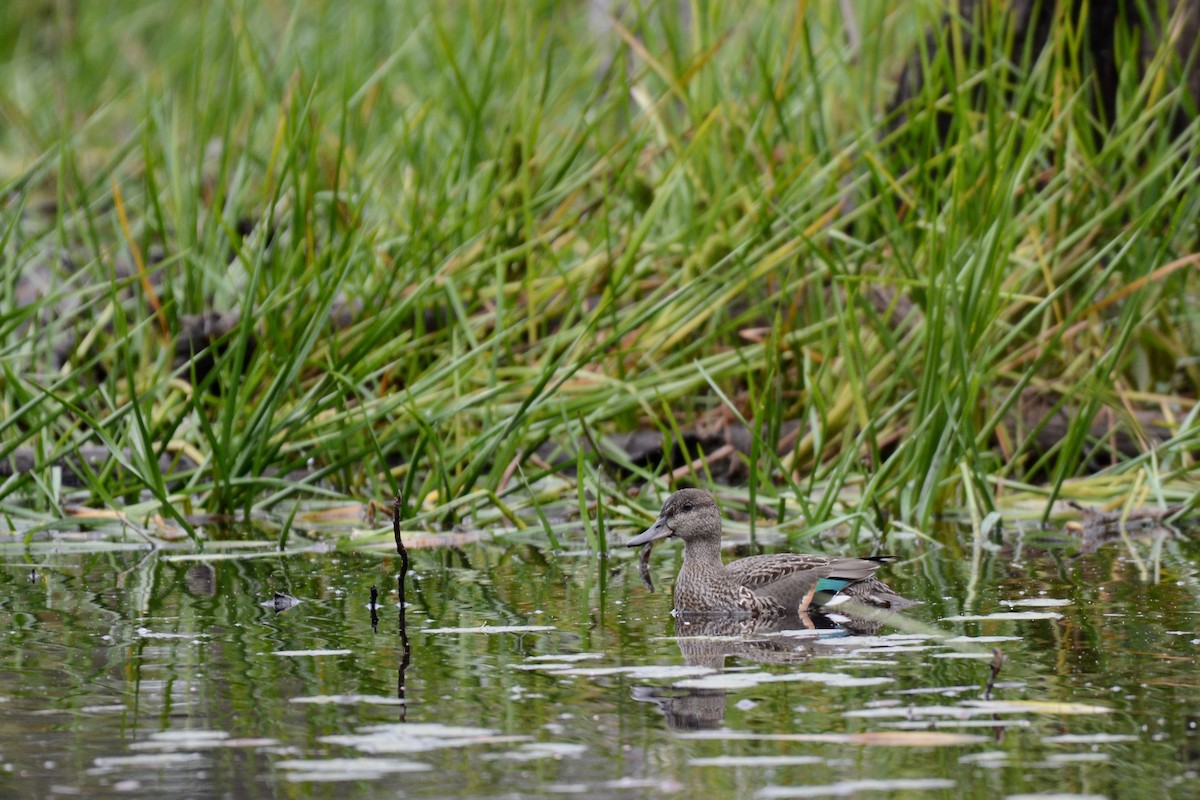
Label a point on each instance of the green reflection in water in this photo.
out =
(154, 675)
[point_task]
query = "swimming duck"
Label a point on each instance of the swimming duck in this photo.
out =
(758, 586)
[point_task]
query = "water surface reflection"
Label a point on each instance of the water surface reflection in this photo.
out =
(542, 674)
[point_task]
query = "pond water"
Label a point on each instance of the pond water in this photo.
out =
(541, 673)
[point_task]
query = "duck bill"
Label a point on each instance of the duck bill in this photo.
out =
(652, 534)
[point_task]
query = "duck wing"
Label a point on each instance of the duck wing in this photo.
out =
(793, 579)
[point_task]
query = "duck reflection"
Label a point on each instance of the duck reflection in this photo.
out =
(707, 641)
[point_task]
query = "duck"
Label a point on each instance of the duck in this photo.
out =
(776, 585)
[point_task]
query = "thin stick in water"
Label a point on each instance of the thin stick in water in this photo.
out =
(407, 651)
(998, 659)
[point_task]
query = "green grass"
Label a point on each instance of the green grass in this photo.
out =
(547, 232)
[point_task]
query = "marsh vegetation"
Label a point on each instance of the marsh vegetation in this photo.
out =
(884, 277)
(262, 257)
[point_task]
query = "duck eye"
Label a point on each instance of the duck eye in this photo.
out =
(687, 506)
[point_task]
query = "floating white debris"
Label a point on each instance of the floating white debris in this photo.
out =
(983, 639)
(553, 667)
(987, 757)
(329, 770)
(146, 633)
(590, 672)
(849, 788)
(1003, 615)
(900, 648)
(1036, 707)
(1089, 738)
(189, 736)
(312, 652)
(948, 691)
(926, 724)
(803, 633)
(565, 657)
(532, 751)
(198, 740)
(1059, 759)
(1056, 796)
(567, 788)
(148, 760)
(871, 738)
(492, 629)
(755, 761)
(349, 700)
(660, 785)
(647, 673)
(736, 680)
(1036, 602)
(745, 680)
(243, 741)
(888, 642)
(417, 738)
(972, 708)
(911, 712)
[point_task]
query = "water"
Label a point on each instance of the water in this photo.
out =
(542, 674)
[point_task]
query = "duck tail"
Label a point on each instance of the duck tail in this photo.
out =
(875, 592)
(855, 579)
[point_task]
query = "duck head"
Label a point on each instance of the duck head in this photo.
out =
(689, 514)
